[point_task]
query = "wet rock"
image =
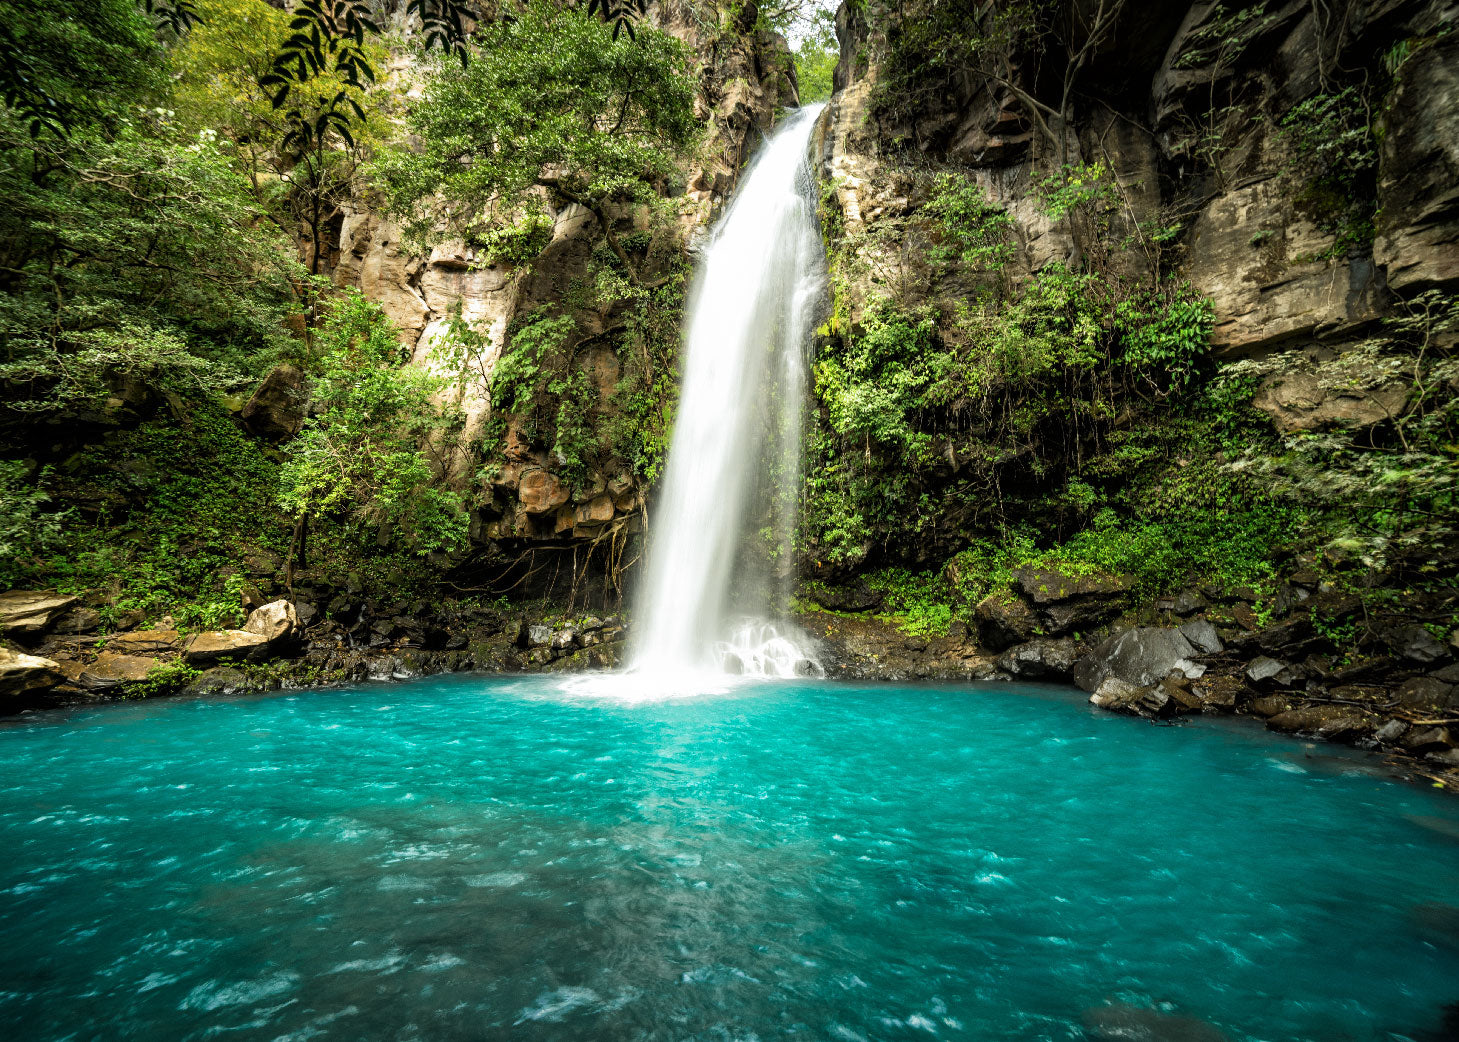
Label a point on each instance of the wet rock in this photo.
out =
(1415, 643)
(532, 635)
(111, 669)
(565, 638)
(1202, 636)
(1140, 656)
(1426, 691)
(1390, 731)
(29, 613)
(211, 645)
(1437, 923)
(1121, 1023)
(1330, 723)
(857, 597)
(1113, 692)
(1447, 827)
(1270, 705)
(275, 621)
(1003, 621)
(1422, 739)
(276, 410)
(220, 680)
(20, 673)
(1040, 660)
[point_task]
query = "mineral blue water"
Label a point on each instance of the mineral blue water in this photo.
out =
(471, 858)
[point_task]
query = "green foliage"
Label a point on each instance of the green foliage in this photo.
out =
(156, 518)
(516, 244)
(26, 528)
(163, 679)
(873, 385)
(68, 64)
(1335, 165)
(815, 58)
(136, 256)
(361, 456)
(549, 98)
(1165, 331)
(1076, 186)
(918, 601)
(975, 233)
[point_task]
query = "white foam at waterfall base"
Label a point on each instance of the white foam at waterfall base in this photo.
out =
(748, 322)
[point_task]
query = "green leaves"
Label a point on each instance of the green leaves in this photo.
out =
(549, 98)
(361, 457)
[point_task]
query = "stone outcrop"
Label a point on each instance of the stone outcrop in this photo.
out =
(211, 645)
(277, 407)
(275, 622)
(28, 613)
(21, 673)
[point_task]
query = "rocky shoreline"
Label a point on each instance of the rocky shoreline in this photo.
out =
(1199, 652)
(1312, 661)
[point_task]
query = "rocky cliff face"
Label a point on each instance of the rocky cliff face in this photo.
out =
(1188, 274)
(528, 497)
(1185, 103)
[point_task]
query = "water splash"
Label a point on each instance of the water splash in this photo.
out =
(737, 435)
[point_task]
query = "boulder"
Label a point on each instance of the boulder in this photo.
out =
(1202, 636)
(1040, 660)
(1426, 691)
(111, 668)
(1139, 656)
(20, 673)
(542, 492)
(1066, 603)
(1263, 668)
(220, 680)
(78, 621)
(1004, 620)
(1414, 643)
(275, 621)
(1270, 705)
(29, 613)
(1045, 586)
(1330, 723)
(211, 645)
(143, 642)
(276, 410)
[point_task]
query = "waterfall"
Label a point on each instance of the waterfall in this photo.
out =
(737, 433)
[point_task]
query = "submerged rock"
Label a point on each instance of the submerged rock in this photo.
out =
(1121, 1023)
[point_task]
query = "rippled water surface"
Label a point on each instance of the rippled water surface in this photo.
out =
(472, 858)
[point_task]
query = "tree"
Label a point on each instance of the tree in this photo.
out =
(66, 63)
(361, 457)
(549, 100)
(816, 55)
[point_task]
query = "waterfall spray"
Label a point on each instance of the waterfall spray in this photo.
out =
(748, 326)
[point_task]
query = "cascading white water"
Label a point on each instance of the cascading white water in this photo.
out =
(748, 327)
